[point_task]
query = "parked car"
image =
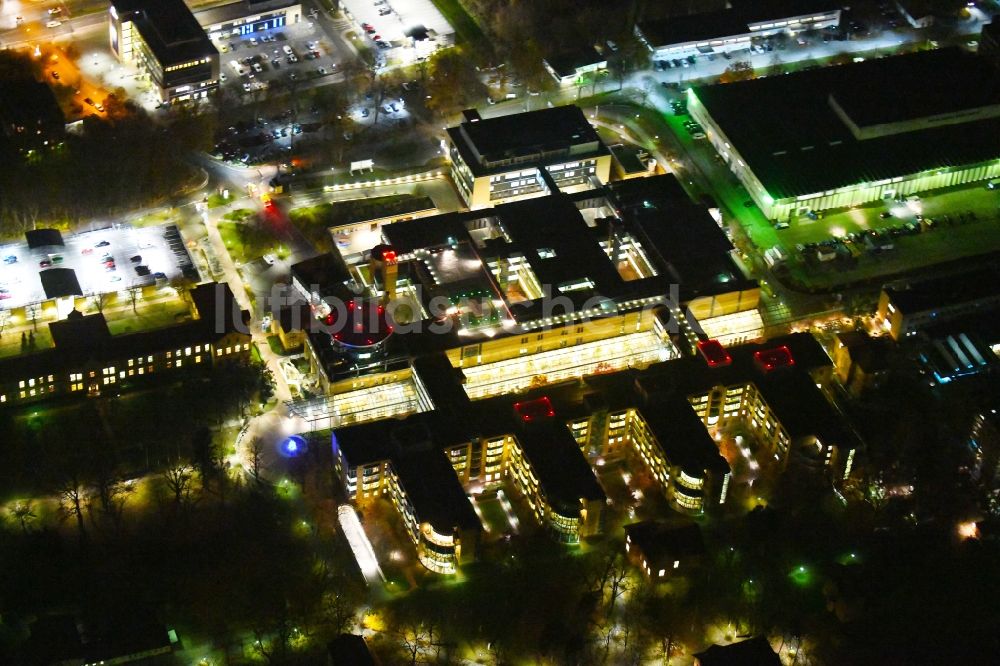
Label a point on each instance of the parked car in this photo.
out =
(10, 259)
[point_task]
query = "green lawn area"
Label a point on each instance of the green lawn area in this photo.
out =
(314, 221)
(10, 341)
(246, 241)
(465, 26)
(148, 317)
(275, 344)
(153, 219)
(949, 240)
(216, 200)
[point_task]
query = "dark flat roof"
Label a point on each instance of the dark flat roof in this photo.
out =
(169, 28)
(567, 62)
(59, 282)
(945, 291)
(43, 238)
(328, 272)
(661, 543)
(727, 22)
(520, 134)
(679, 235)
(682, 241)
(682, 435)
(789, 135)
(871, 354)
(790, 391)
(563, 472)
(434, 490)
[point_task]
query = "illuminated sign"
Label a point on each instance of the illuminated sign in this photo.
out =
(260, 26)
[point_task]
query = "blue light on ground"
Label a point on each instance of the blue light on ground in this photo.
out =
(293, 446)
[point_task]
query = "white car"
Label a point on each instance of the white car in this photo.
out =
(268, 259)
(287, 49)
(53, 24)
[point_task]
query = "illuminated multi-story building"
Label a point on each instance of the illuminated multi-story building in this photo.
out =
(163, 38)
(526, 154)
(546, 443)
(87, 360)
(927, 120)
(984, 444)
(531, 292)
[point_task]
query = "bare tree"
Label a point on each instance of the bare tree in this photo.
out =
(255, 450)
(178, 480)
(133, 295)
(73, 499)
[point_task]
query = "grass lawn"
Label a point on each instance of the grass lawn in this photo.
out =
(216, 200)
(275, 344)
(153, 219)
(10, 341)
(245, 241)
(148, 317)
(465, 26)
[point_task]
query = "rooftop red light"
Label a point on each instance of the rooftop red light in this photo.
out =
(777, 357)
(714, 353)
(533, 410)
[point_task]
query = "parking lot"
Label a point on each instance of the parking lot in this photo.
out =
(269, 139)
(290, 54)
(402, 30)
(891, 236)
(105, 260)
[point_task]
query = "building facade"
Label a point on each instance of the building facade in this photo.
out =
(168, 46)
(734, 28)
(931, 122)
(248, 17)
(87, 360)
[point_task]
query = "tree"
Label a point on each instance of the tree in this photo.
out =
(740, 70)
(453, 83)
(73, 498)
(178, 481)
(204, 454)
(254, 451)
(24, 513)
(133, 296)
